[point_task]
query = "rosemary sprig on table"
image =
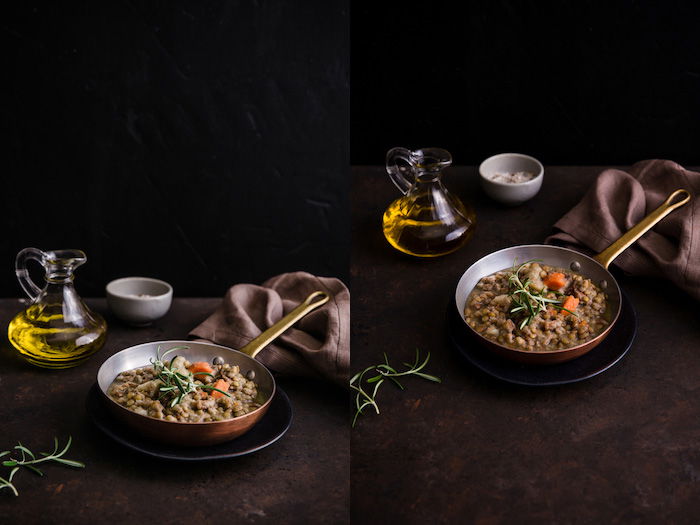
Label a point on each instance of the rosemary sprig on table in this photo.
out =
(368, 396)
(175, 383)
(528, 301)
(29, 460)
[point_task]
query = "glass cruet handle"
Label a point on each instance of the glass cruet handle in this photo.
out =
(26, 255)
(399, 162)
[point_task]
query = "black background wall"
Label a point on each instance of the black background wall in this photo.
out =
(570, 82)
(205, 143)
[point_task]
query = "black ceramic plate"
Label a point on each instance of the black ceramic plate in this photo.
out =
(598, 360)
(269, 429)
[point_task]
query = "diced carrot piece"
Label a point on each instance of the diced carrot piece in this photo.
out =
(570, 303)
(555, 281)
(221, 385)
(200, 366)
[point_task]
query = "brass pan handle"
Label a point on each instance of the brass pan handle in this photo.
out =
(616, 248)
(313, 301)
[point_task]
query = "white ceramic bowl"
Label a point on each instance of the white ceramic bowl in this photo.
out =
(511, 193)
(139, 300)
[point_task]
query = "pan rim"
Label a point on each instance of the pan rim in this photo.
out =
(189, 423)
(558, 351)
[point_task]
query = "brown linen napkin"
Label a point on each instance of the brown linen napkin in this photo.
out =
(618, 200)
(317, 346)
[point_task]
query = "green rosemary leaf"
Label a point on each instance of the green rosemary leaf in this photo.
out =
(374, 392)
(567, 310)
(355, 377)
(24, 450)
(429, 377)
(209, 387)
(70, 462)
(396, 382)
(170, 365)
(35, 470)
(179, 384)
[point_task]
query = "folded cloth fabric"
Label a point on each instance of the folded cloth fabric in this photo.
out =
(618, 200)
(318, 345)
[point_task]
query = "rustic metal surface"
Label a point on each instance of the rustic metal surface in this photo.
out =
(302, 478)
(623, 447)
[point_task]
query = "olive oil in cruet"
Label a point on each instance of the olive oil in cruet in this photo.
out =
(427, 220)
(57, 330)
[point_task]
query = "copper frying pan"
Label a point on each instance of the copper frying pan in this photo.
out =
(209, 433)
(594, 268)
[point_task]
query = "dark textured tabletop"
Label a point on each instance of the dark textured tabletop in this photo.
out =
(621, 447)
(302, 478)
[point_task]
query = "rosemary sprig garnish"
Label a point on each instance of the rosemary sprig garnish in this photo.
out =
(176, 384)
(366, 397)
(29, 460)
(529, 302)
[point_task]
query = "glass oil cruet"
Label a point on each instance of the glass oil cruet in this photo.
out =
(57, 329)
(427, 221)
